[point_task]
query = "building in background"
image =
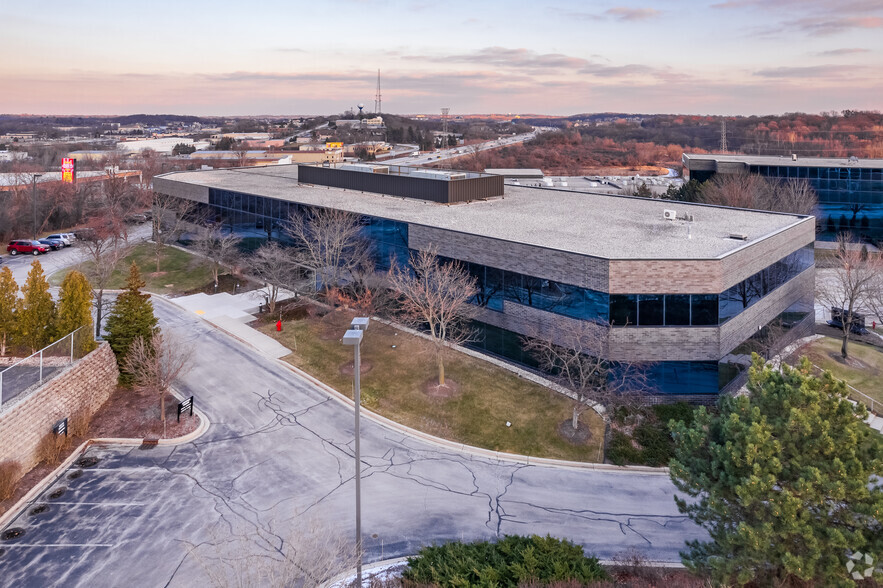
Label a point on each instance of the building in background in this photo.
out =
(683, 286)
(850, 189)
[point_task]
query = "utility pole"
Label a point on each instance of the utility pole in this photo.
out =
(723, 135)
(34, 195)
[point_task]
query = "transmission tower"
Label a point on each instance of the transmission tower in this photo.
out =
(445, 112)
(377, 100)
(723, 135)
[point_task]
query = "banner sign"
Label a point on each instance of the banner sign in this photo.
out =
(331, 145)
(68, 170)
(60, 428)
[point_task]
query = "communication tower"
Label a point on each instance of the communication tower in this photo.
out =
(377, 101)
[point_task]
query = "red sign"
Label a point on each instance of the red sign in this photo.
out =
(68, 170)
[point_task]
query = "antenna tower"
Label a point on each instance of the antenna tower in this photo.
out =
(723, 135)
(445, 112)
(377, 96)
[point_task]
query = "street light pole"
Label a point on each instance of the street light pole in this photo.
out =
(354, 337)
(34, 196)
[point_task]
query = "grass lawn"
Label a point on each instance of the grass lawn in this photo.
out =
(864, 371)
(394, 382)
(179, 271)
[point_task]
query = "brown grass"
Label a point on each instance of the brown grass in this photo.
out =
(10, 472)
(78, 424)
(51, 448)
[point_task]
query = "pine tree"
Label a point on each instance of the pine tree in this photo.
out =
(131, 317)
(785, 480)
(75, 310)
(8, 300)
(35, 312)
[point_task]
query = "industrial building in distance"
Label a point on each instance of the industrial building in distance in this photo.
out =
(683, 286)
(850, 189)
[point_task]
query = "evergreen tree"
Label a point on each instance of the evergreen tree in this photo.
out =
(8, 300)
(131, 317)
(35, 312)
(785, 480)
(75, 310)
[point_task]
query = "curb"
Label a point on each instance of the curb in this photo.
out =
(15, 510)
(444, 443)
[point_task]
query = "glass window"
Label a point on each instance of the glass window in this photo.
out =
(703, 309)
(651, 310)
(677, 309)
(623, 309)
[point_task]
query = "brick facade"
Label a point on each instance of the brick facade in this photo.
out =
(84, 386)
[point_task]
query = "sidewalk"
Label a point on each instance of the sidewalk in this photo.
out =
(231, 312)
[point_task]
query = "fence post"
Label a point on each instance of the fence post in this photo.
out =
(41, 366)
(72, 345)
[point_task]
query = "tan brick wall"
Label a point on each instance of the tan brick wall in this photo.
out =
(193, 192)
(653, 276)
(664, 344)
(746, 262)
(84, 386)
(560, 266)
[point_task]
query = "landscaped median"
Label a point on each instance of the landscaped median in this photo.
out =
(487, 406)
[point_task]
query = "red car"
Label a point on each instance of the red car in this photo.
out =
(26, 246)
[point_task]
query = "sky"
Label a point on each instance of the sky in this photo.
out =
(725, 57)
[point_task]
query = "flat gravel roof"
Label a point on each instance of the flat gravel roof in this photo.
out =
(599, 225)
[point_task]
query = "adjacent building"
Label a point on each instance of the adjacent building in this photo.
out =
(850, 189)
(683, 286)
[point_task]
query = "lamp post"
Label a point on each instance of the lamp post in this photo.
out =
(354, 337)
(34, 196)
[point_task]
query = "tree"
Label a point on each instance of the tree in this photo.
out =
(574, 357)
(330, 242)
(183, 149)
(849, 284)
(435, 296)
(131, 318)
(687, 192)
(277, 267)
(75, 308)
(221, 249)
(8, 301)
(225, 144)
(744, 190)
(104, 246)
(35, 313)
(169, 217)
(643, 191)
(785, 480)
(155, 363)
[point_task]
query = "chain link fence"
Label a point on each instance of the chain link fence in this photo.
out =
(28, 374)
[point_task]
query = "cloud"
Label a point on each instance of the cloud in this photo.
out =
(290, 50)
(822, 17)
(841, 52)
(830, 71)
(823, 25)
(632, 14)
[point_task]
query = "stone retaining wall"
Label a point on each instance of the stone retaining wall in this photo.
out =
(85, 386)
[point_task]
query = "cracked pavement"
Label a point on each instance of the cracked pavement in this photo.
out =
(279, 453)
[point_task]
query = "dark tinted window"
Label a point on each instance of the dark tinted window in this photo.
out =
(677, 309)
(651, 310)
(703, 308)
(623, 309)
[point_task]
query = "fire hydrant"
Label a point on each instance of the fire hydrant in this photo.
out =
(279, 325)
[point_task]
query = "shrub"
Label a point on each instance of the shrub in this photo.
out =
(78, 425)
(657, 444)
(620, 450)
(508, 562)
(10, 471)
(51, 447)
(680, 411)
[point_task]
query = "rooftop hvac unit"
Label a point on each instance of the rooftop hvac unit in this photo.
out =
(366, 168)
(739, 236)
(669, 214)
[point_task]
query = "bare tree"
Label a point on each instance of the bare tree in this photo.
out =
(170, 214)
(156, 364)
(744, 190)
(436, 296)
(278, 267)
(849, 285)
(220, 248)
(331, 242)
(575, 358)
(103, 247)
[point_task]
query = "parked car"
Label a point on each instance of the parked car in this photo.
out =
(54, 244)
(61, 237)
(26, 246)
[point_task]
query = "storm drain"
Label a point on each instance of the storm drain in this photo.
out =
(86, 462)
(57, 493)
(10, 534)
(74, 474)
(39, 509)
